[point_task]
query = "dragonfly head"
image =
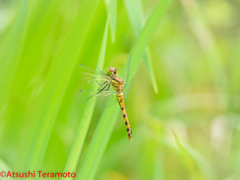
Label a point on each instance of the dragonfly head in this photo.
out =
(111, 71)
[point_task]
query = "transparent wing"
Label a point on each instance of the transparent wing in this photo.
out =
(104, 99)
(88, 76)
(109, 101)
(112, 99)
(127, 70)
(128, 88)
(89, 71)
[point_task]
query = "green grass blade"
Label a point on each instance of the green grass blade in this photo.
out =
(87, 115)
(46, 109)
(109, 116)
(146, 34)
(112, 5)
(135, 13)
(12, 53)
(99, 143)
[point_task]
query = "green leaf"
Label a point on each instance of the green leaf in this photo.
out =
(12, 53)
(135, 13)
(87, 115)
(46, 108)
(109, 116)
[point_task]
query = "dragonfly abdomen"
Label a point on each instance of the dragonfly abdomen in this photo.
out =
(120, 99)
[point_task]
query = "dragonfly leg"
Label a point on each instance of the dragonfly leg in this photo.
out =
(102, 73)
(108, 87)
(99, 91)
(102, 83)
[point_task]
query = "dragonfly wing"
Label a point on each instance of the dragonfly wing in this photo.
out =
(127, 70)
(111, 100)
(88, 75)
(89, 70)
(128, 88)
(105, 96)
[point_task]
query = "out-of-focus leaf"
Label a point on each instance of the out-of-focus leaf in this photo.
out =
(46, 109)
(199, 160)
(12, 53)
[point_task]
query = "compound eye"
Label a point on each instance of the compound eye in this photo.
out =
(115, 72)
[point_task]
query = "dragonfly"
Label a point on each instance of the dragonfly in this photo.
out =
(110, 83)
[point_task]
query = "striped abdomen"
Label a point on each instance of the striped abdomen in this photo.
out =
(120, 99)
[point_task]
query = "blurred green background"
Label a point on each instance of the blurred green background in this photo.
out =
(186, 126)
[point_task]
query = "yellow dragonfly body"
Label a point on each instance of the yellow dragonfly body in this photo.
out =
(118, 85)
(110, 79)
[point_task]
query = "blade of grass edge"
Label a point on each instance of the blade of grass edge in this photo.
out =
(112, 5)
(45, 111)
(136, 16)
(109, 116)
(87, 115)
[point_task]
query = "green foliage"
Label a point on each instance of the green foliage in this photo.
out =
(188, 130)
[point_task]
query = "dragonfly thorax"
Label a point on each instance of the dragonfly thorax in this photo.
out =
(117, 83)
